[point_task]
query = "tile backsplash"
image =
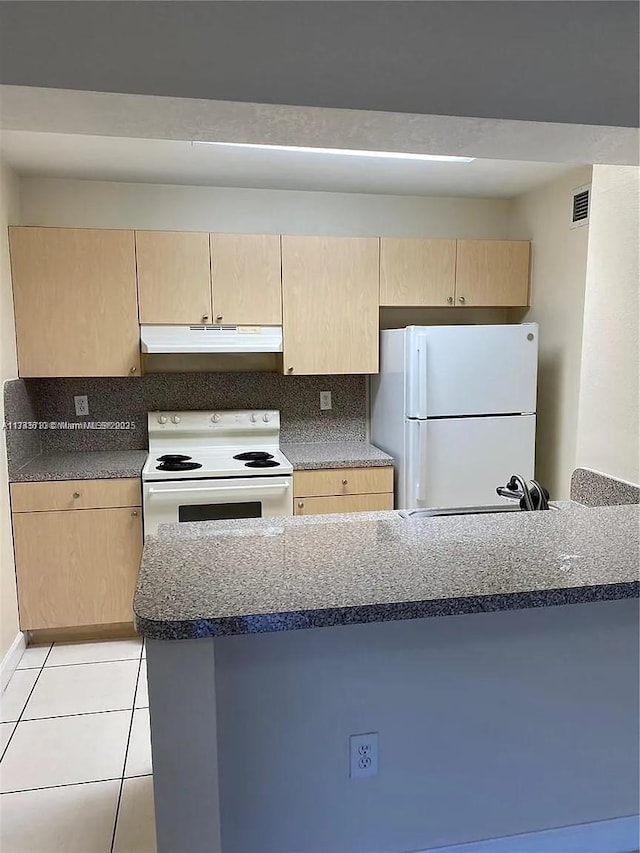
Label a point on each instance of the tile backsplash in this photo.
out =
(129, 399)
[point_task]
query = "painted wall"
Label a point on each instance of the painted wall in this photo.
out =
(489, 725)
(558, 285)
(103, 204)
(9, 213)
(608, 434)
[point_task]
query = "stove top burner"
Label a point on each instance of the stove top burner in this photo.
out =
(253, 456)
(178, 466)
(262, 463)
(173, 457)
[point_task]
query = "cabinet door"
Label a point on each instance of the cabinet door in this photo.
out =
(417, 272)
(174, 277)
(76, 567)
(75, 302)
(492, 272)
(343, 503)
(246, 279)
(330, 293)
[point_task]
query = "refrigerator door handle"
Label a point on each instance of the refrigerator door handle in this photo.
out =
(418, 379)
(421, 484)
(422, 376)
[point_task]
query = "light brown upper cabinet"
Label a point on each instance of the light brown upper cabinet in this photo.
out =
(492, 272)
(245, 274)
(330, 296)
(417, 272)
(75, 301)
(174, 277)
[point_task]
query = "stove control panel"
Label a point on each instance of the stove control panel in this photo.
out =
(256, 420)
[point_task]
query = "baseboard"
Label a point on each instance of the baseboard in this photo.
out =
(621, 835)
(82, 633)
(12, 658)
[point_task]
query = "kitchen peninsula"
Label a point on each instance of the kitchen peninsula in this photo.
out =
(251, 718)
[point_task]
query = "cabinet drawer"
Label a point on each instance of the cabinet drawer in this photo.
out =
(343, 503)
(342, 481)
(75, 494)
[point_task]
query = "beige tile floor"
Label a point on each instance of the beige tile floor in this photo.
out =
(75, 773)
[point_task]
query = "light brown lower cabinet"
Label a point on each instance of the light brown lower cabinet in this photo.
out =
(343, 503)
(77, 567)
(330, 490)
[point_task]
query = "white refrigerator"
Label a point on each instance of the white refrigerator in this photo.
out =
(455, 406)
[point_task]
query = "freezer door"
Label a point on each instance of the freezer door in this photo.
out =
(471, 370)
(461, 461)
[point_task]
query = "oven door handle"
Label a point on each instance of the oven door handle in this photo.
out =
(212, 489)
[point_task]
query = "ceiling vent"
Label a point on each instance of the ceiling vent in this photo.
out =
(580, 201)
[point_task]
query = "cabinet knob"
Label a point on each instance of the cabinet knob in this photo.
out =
(289, 369)
(345, 482)
(133, 369)
(134, 513)
(449, 299)
(205, 317)
(461, 300)
(76, 495)
(219, 318)
(300, 504)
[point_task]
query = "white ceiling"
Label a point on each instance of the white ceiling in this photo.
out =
(61, 155)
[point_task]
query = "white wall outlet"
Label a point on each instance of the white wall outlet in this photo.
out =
(325, 401)
(363, 755)
(82, 404)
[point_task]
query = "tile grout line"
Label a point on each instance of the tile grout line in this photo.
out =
(88, 663)
(62, 785)
(15, 728)
(77, 714)
(126, 755)
(76, 784)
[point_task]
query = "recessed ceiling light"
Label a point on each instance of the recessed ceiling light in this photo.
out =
(344, 152)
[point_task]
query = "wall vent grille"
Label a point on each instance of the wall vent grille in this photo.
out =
(580, 202)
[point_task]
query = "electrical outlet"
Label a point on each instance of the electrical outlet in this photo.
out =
(82, 404)
(325, 401)
(363, 755)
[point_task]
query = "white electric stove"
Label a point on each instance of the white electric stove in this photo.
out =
(208, 466)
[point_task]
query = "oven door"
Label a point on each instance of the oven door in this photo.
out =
(168, 502)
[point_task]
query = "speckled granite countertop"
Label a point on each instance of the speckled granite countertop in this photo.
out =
(310, 456)
(241, 577)
(89, 465)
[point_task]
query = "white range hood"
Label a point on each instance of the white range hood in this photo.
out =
(201, 339)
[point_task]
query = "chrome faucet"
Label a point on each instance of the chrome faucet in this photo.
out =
(532, 496)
